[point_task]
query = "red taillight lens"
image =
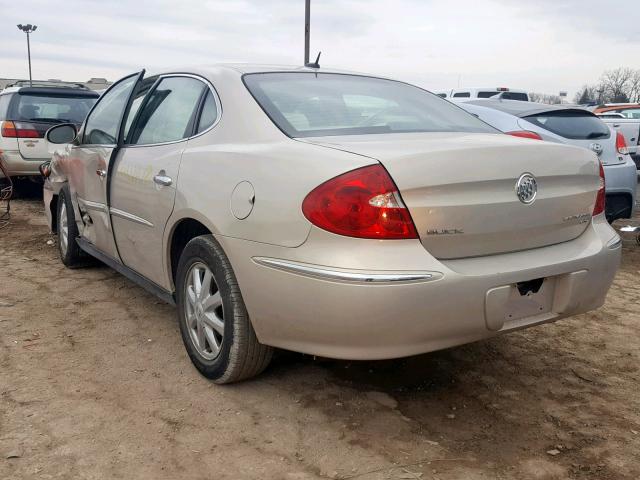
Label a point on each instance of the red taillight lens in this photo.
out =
(621, 144)
(600, 197)
(525, 134)
(363, 203)
(8, 130)
(19, 130)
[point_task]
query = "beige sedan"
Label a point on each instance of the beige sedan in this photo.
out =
(335, 214)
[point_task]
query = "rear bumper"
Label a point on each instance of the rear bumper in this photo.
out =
(460, 301)
(621, 182)
(18, 166)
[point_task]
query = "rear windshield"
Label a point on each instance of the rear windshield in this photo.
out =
(577, 125)
(50, 109)
(523, 97)
(319, 104)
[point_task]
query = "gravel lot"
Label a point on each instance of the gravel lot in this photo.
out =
(95, 384)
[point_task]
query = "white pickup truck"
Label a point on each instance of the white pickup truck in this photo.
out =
(630, 129)
(467, 94)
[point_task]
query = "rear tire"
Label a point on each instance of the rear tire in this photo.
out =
(214, 323)
(70, 252)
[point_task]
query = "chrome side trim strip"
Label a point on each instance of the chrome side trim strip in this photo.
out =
(130, 216)
(614, 243)
(89, 205)
(330, 274)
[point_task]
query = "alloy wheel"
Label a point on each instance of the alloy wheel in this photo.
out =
(204, 312)
(63, 231)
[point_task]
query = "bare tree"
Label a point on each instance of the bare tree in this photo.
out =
(544, 98)
(617, 83)
(634, 87)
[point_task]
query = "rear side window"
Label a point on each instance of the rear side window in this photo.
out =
(34, 107)
(209, 113)
(462, 95)
(576, 125)
(168, 113)
(319, 104)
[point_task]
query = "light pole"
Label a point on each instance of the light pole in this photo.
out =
(28, 28)
(307, 29)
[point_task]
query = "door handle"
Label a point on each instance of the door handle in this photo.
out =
(162, 179)
(101, 173)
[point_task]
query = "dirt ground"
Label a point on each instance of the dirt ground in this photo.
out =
(95, 384)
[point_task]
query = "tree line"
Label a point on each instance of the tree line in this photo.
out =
(621, 85)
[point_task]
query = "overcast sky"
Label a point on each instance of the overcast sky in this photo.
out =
(541, 45)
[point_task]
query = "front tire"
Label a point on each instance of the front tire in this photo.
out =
(70, 252)
(214, 322)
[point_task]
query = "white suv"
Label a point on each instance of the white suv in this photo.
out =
(27, 112)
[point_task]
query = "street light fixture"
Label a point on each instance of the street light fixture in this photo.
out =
(28, 28)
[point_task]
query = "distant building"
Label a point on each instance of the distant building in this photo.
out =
(92, 83)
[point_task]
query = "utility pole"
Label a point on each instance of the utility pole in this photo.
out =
(28, 29)
(307, 29)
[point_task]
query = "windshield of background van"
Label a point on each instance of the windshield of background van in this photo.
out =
(321, 104)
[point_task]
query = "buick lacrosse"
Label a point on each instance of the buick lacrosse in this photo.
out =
(336, 214)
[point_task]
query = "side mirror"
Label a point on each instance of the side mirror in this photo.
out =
(63, 133)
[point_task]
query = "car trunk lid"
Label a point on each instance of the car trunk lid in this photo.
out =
(460, 188)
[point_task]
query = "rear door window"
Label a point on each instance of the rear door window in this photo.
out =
(462, 95)
(168, 113)
(576, 125)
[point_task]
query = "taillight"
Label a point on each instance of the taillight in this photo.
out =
(621, 144)
(362, 203)
(19, 130)
(525, 134)
(600, 197)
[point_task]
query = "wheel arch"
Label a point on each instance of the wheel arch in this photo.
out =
(180, 233)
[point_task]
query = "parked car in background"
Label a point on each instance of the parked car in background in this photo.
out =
(464, 94)
(27, 112)
(630, 130)
(572, 126)
(335, 214)
(628, 110)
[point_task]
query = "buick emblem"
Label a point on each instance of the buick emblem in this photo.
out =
(526, 188)
(596, 147)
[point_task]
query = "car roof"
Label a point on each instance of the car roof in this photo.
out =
(246, 68)
(523, 109)
(52, 91)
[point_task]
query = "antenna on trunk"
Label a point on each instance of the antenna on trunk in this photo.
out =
(315, 64)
